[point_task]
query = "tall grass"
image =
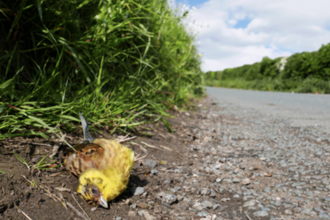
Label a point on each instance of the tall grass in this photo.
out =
(120, 62)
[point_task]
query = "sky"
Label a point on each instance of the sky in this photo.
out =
(232, 33)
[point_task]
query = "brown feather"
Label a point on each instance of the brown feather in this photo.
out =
(87, 156)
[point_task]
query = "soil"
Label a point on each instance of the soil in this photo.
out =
(17, 195)
(179, 187)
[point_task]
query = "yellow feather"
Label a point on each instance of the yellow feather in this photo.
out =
(113, 172)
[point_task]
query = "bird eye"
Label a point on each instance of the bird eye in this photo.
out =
(93, 191)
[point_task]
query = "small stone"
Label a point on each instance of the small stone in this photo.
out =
(267, 174)
(144, 195)
(147, 216)
(93, 209)
(236, 196)
(246, 181)
(227, 181)
(137, 191)
(133, 206)
(141, 212)
(150, 163)
(215, 207)
(131, 213)
(297, 209)
(287, 212)
(250, 203)
(154, 172)
(236, 180)
(213, 193)
(223, 160)
(202, 214)
(167, 198)
(180, 197)
(167, 181)
(207, 204)
(118, 218)
(260, 213)
(206, 191)
(218, 180)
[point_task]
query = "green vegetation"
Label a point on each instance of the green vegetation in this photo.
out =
(119, 62)
(305, 72)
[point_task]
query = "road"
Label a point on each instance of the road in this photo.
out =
(299, 109)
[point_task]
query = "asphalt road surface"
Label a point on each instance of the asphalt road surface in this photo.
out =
(299, 109)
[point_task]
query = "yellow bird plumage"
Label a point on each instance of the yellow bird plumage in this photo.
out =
(103, 167)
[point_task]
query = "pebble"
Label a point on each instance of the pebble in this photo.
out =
(137, 191)
(207, 204)
(169, 198)
(154, 172)
(261, 163)
(150, 163)
(260, 214)
(246, 181)
(249, 203)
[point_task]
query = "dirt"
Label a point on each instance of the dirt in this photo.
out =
(35, 195)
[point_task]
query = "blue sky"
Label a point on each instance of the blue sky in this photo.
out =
(236, 32)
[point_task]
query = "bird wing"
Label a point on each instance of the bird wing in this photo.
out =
(86, 156)
(116, 155)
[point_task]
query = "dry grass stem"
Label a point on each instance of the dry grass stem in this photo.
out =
(54, 151)
(137, 158)
(19, 210)
(166, 148)
(40, 144)
(79, 206)
(142, 148)
(151, 146)
(247, 216)
(76, 211)
(121, 140)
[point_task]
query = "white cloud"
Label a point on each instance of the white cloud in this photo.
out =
(276, 28)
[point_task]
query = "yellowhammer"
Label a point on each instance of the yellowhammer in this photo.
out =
(103, 167)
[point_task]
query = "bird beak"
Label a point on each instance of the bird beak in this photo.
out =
(87, 135)
(102, 202)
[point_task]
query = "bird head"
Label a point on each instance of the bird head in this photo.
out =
(91, 185)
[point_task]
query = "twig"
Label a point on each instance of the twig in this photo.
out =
(142, 148)
(167, 148)
(247, 216)
(139, 158)
(41, 144)
(54, 151)
(76, 211)
(149, 145)
(19, 210)
(125, 139)
(80, 206)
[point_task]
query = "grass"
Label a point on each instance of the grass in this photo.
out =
(309, 85)
(43, 164)
(122, 63)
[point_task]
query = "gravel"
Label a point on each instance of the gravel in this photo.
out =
(240, 162)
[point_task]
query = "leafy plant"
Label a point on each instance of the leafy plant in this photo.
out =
(121, 63)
